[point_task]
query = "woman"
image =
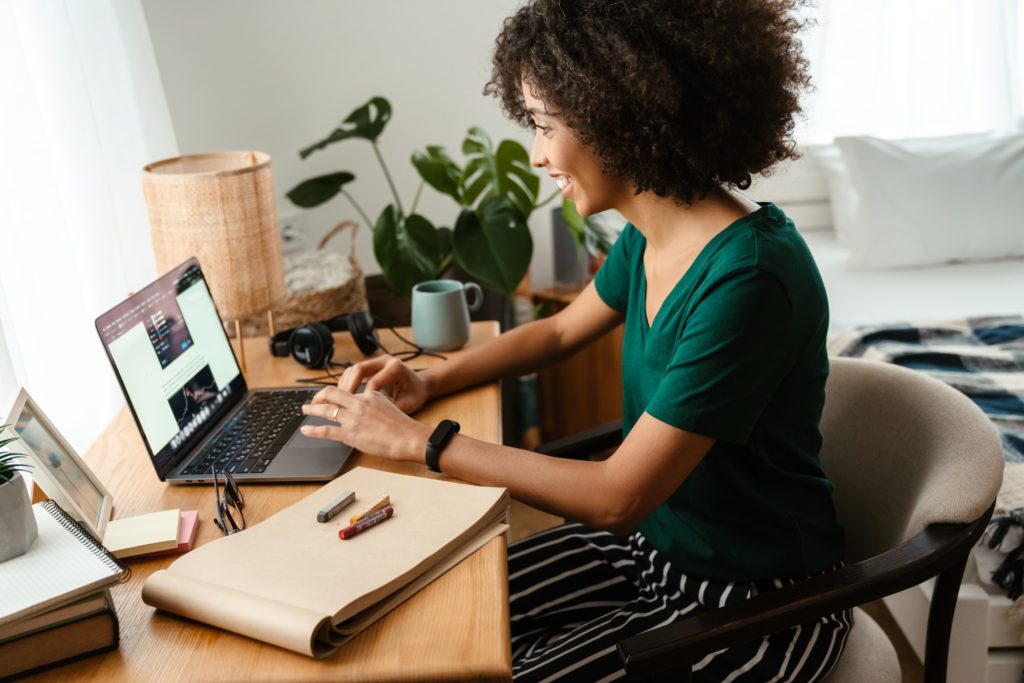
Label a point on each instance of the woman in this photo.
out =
(659, 109)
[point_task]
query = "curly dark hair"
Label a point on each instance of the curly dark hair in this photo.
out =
(674, 96)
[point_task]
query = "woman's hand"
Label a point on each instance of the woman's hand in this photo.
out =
(390, 376)
(369, 422)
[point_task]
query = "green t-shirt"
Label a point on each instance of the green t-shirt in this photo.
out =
(737, 353)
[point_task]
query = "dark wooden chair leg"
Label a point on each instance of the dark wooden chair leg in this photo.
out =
(940, 621)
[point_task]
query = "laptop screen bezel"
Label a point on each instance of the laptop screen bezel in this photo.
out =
(172, 457)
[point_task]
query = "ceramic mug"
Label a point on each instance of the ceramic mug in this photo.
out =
(440, 313)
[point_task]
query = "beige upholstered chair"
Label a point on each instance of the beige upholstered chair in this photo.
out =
(916, 468)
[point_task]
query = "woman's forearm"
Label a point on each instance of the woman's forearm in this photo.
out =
(540, 481)
(520, 351)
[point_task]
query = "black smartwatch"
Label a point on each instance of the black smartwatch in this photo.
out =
(443, 433)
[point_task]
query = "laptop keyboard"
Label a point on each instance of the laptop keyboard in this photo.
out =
(255, 435)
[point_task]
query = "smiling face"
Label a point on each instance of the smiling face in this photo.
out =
(576, 170)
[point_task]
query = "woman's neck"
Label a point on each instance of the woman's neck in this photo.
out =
(668, 227)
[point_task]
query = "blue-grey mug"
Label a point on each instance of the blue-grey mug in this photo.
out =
(440, 313)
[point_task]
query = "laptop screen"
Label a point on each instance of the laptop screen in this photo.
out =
(174, 361)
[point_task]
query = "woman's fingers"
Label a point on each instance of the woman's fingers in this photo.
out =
(333, 395)
(334, 432)
(354, 375)
(386, 376)
(325, 410)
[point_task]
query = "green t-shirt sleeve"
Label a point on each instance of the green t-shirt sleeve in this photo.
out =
(612, 280)
(729, 360)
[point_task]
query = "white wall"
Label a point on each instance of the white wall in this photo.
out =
(276, 76)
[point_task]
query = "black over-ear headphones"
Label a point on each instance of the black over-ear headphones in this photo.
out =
(312, 344)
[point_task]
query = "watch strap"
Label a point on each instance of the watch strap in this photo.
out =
(443, 433)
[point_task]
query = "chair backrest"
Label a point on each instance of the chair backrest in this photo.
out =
(903, 451)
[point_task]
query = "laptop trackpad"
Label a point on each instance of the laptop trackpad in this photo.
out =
(300, 440)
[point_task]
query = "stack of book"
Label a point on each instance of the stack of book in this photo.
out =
(55, 605)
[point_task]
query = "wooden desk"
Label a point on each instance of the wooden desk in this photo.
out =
(455, 628)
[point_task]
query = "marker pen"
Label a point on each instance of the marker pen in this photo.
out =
(365, 523)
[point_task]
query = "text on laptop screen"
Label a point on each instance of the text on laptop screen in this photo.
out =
(172, 357)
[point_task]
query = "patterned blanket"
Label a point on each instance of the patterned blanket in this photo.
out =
(981, 357)
(984, 359)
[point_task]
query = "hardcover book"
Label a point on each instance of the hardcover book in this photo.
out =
(60, 644)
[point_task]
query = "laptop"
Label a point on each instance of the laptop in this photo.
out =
(182, 382)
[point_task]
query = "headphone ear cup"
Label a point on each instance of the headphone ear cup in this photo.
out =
(311, 345)
(279, 343)
(360, 325)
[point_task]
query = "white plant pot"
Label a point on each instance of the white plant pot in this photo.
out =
(17, 521)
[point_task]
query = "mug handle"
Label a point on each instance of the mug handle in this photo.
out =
(474, 302)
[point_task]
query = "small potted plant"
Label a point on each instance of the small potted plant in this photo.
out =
(17, 521)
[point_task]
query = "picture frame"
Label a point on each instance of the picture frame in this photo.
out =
(56, 467)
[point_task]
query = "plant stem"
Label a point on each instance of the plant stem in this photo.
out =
(446, 263)
(548, 199)
(380, 158)
(362, 213)
(416, 199)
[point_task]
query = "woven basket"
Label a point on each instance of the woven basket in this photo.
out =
(301, 307)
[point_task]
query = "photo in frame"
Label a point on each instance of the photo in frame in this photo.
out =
(57, 468)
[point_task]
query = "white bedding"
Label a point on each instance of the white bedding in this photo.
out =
(858, 297)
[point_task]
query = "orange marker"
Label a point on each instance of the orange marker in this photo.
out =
(379, 505)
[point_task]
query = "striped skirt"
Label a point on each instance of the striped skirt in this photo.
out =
(576, 592)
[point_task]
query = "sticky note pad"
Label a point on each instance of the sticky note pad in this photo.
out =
(186, 535)
(142, 534)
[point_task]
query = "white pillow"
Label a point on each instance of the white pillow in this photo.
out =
(843, 198)
(928, 201)
(840, 192)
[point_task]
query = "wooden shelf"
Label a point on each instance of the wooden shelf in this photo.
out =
(585, 390)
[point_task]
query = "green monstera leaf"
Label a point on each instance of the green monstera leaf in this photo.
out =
(407, 249)
(493, 244)
(439, 171)
(502, 173)
(316, 191)
(366, 122)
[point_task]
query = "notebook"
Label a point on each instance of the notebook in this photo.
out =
(293, 583)
(194, 410)
(63, 564)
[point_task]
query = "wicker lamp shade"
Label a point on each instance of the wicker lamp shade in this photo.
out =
(219, 207)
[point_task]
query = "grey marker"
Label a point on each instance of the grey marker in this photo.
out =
(335, 506)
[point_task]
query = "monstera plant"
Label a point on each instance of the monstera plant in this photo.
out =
(496, 189)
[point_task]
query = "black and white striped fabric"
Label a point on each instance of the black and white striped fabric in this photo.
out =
(576, 592)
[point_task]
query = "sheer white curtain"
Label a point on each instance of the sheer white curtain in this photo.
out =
(914, 68)
(81, 111)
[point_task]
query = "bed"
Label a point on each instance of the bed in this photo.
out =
(864, 297)
(872, 297)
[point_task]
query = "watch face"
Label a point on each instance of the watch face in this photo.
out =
(444, 431)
